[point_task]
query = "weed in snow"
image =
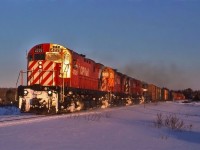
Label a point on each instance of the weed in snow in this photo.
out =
(171, 121)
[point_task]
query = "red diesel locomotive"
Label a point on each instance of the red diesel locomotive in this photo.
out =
(61, 80)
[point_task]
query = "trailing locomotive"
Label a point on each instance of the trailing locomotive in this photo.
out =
(60, 80)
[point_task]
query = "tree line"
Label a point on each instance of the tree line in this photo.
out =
(191, 94)
(7, 96)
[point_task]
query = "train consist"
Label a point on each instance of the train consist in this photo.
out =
(60, 80)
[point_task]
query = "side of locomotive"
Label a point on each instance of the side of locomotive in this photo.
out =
(60, 80)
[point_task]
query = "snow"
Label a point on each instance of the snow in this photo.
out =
(126, 128)
(9, 110)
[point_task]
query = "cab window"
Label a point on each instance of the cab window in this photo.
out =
(39, 57)
(30, 58)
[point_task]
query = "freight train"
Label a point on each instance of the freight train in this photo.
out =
(59, 80)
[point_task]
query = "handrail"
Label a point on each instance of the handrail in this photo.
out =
(18, 79)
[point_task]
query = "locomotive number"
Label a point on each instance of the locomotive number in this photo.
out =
(55, 49)
(38, 50)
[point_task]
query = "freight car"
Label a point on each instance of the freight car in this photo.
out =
(59, 79)
(177, 95)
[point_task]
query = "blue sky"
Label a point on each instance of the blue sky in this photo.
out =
(153, 40)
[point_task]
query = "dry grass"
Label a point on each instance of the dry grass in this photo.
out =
(171, 121)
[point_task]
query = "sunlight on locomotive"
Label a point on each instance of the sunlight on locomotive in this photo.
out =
(60, 54)
(107, 79)
(54, 56)
(66, 65)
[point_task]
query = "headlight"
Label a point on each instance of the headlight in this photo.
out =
(40, 66)
(50, 93)
(25, 92)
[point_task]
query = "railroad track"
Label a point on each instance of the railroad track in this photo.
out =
(18, 117)
(8, 120)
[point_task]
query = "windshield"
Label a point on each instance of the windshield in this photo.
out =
(39, 57)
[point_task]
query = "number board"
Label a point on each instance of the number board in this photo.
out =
(55, 49)
(38, 50)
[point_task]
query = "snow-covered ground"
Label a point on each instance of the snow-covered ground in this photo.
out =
(124, 128)
(7, 110)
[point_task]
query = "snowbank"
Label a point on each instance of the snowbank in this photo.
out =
(9, 110)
